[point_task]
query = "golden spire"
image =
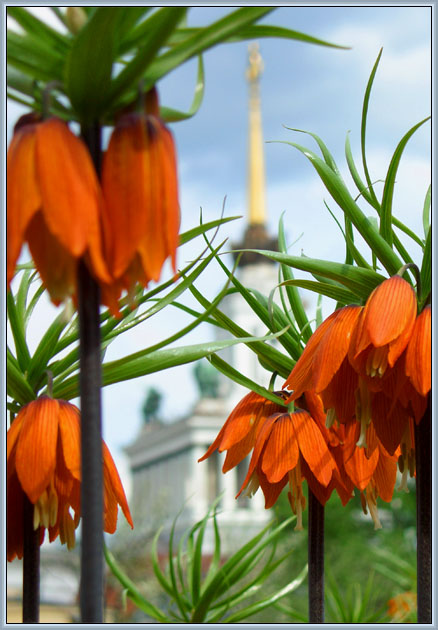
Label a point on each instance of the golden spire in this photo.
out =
(256, 166)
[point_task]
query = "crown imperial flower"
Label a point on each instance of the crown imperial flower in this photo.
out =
(43, 462)
(54, 203)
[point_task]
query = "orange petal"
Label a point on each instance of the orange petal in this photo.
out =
(340, 393)
(300, 379)
(271, 491)
(418, 353)
(70, 432)
(23, 195)
(170, 201)
(70, 190)
(313, 446)
(55, 264)
(281, 452)
(126, 182)
(36, 448)
(111, 472)
(389, 421)
(359, 468)
(14, 431)
(260, 443)
(333, 347)
(385, 477)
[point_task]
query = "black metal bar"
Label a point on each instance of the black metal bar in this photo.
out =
(423, 458)
(316, 559)
(31, 566)
(91, 589)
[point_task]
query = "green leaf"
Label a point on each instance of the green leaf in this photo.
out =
(132, 590)
(328, 158)
(329, 290)
(160, 25)
(269, 601)
(142, 363)
(362, 188)
(39, 30)
(426, 212)
(90, 62)
(17, 386)
(239, 378)
(18, 332)
(388, 190)
(257, 31)
(172, 115)
(340, 194)
(426, 270)
(364, 125)
(358, 280)
(203, 39)
(187, 236)
(45, 350)
(292, 293)
(36, 59)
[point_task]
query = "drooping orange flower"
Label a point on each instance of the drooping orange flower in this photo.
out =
(54, 203)
(43, 462)
(402, 606)
(383, 330)
(139, 180)
(239, 433)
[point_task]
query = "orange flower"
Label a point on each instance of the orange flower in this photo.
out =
(418, 353)
(402, 606)
(54, 204)
(238, 435)
(43, 462)
(383, 330)
(139, 183)
(285, 441)
(324, 354)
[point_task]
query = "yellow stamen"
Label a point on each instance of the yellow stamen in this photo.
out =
(252, 486)
(36, 516)
(371, 497)
(404, 481)
(363, 411)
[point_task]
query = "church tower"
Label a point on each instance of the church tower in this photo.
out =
(254, 271)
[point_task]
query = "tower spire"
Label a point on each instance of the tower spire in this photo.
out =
(256, 165)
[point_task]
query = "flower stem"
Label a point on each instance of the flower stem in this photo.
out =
(423, 457)
(316, 559)
(91, 590)
(31, 566)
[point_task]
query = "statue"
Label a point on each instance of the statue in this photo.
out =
(207, 379)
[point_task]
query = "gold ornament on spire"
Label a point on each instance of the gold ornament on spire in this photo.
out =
(256, 165)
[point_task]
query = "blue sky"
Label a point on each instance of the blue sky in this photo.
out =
(307, 87)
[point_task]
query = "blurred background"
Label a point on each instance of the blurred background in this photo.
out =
(306, 87)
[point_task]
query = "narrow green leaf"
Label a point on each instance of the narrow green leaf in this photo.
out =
(362, 188)
(131, 589)
(426, 270)
(364, 125)
(160, 26)
(18, 332)
(163, 581)
(269, 601)
(179, 600)
(17, 386)
(45, 350)
(407, 231)
(187, 236)
(340, 194)
(358, 280)
(203, 39)
(329, 290)
(39, 30)
(388, 190)
(328, 158)
(426, 212)
(90, 62)
(240, 379)
(172, 115)
(38, 60)
(295, 301)
(257, 31)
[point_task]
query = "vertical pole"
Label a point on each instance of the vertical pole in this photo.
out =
(316, 559)
(91, 589)
(31, 566)
(423, 458)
